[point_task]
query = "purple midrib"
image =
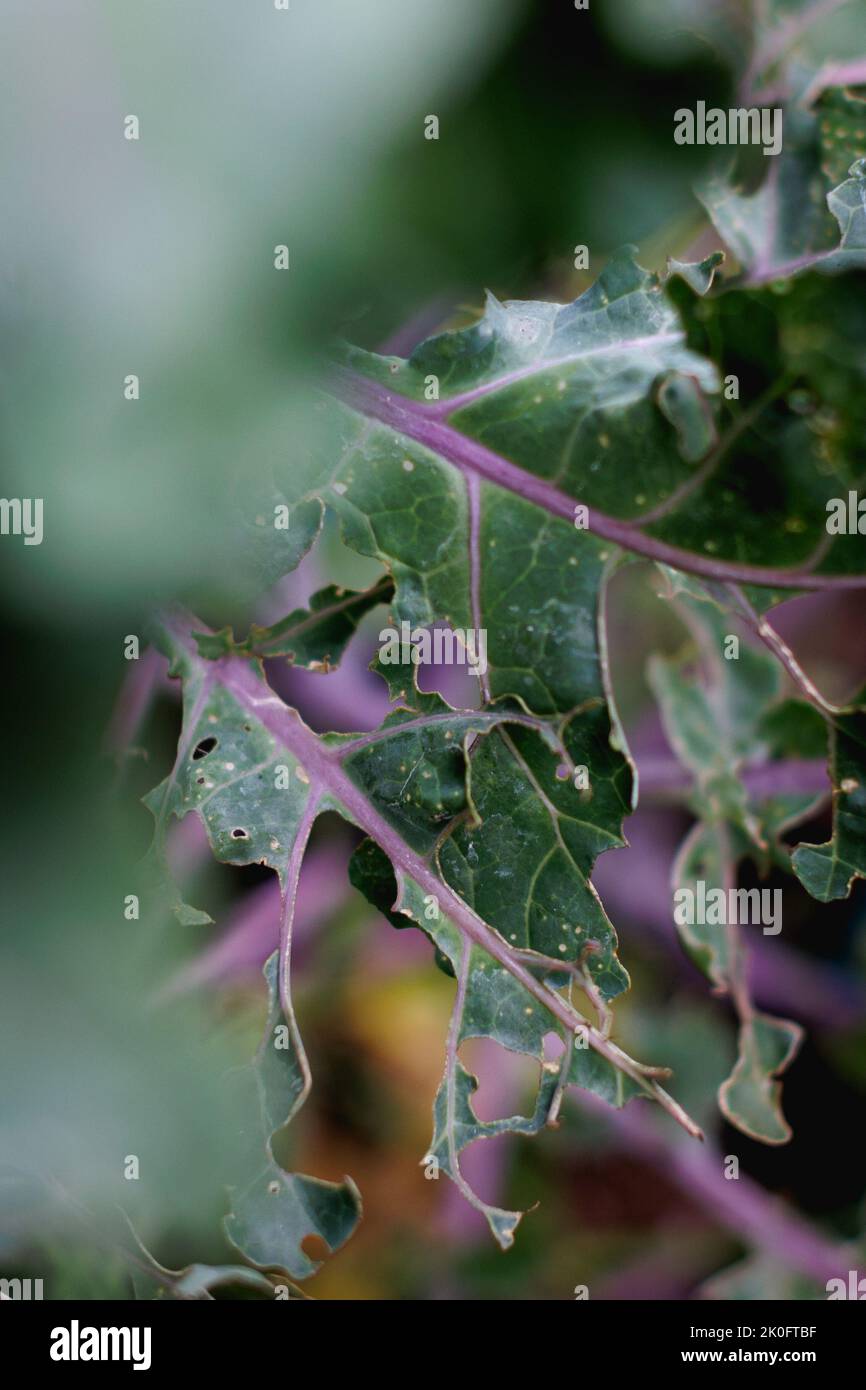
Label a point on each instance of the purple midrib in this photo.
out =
(417, 422)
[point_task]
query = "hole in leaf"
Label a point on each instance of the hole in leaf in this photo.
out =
(314, 1247)
(554, 1047)
(201, 750)
(507, 1081)
(239, 834)
(447, 667)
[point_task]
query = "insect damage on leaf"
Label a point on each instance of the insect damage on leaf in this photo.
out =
(497, 478)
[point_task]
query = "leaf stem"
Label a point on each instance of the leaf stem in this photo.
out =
(256, 643)
(776, 644)
(749, 1213)
(783, 37)
(426, 721)
(288, 900)
(410, 418)
(245, 683)
(792, 777)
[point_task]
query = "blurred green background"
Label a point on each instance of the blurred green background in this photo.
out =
(261, 127)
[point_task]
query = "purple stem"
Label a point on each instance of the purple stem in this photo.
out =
(631, 882)
(835, 75)
(133, 701)
(741, 1206)
(415, 421)
(252, 929)
(323, 769)
(634, 884)
(428, 318)
(745, 1211)
(783, 37)
(780, 649)
(473, 496)
(797, 777)
(765, 274)
(661, 1275)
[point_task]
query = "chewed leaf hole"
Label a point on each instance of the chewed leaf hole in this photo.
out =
(240, 834)
(314, 1247)
(201, 750)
